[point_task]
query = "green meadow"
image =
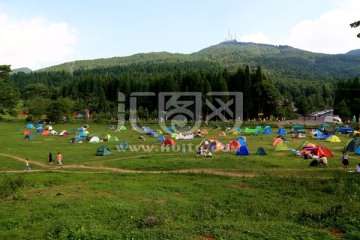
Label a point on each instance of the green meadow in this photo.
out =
(151, 192)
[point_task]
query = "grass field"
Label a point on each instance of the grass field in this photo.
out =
(149, 192)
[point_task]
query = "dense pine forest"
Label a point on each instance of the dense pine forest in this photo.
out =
(278, 81)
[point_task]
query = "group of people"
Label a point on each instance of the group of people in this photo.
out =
(323, 161)
(59, 159)
(200, 152)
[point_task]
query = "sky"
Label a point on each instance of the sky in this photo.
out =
(42, 33)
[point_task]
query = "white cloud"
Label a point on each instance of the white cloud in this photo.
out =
(34, 43)
(255, 37)
(330, 33)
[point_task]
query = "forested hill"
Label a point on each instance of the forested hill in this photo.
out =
(283, 62)
(278, 62)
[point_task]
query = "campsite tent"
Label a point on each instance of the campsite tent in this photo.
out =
(357, 151)
(205, 143)
(161, 139)
(75, 140)
(261, 151)
(45, 133)
(94, 139)
(281, 131)
(215, 146)
(189, 135)
(300, 135)
(333, 138)
(30, 126)
(352, 145)
(174, 135)
(168, 142)
(276, 141)
(242, 151)
(235, 144)
(64, 133)
(222, 134)
(281, 146)
(322, 150)
(179, 136)
(113, 139)
(242, 141)
(122, 128)
(298, 129)
(253, 130)
(267, 131)
(103, 151)
(238, 130)
(122, 146)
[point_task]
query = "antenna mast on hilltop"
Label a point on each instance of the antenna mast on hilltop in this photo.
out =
(230, 38)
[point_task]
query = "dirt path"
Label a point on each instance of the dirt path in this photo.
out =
(102, 169)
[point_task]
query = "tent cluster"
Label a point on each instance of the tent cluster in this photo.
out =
(307, 148)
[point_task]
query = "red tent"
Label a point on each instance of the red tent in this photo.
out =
(235, 144)
(321, 150)
(168, 141)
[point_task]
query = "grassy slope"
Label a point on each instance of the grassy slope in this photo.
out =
(285, 198)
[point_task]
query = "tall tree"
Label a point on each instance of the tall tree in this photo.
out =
(9, 97)
(354, 25)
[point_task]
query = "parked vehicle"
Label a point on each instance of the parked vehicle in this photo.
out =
(329, 119)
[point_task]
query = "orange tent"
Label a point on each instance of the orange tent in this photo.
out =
(321, 150)
(27, 132)
(45, 132)
(276, 141)
(168, 141)
(204, 132)
(222, 134)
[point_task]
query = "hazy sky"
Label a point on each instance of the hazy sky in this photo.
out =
(41, 33)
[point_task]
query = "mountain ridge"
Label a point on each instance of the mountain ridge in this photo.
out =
(277, 61)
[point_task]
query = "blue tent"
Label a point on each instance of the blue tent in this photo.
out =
(39, 130)
(239, 130)
(242, 151)
(267, 131)
(161, 139)
(281, 131)
(242, 142)
(30, 126)
(39, 125)
(171, 129)
(357, 151)
(82, 134)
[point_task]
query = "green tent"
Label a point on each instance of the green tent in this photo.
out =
(113, 139)
(261, 151)
(122, 128)
(298, 129)
(302, 145)
(174, 135)
(103, 151)
(281, 146)
(122, 146)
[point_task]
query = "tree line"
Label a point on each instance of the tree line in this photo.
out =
(58, 94)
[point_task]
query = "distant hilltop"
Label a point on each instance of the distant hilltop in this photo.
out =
(277, 61)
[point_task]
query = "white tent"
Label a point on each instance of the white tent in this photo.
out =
(94, 139)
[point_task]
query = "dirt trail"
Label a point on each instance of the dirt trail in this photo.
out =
(120, 170)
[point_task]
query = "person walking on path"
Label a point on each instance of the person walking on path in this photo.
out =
(59, 159)
(51, 161)
(345, 160)
(27, 165)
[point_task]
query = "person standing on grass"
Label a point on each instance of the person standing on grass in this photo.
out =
(59, 159)
(345, 160)
(27, 165)
(51, 162)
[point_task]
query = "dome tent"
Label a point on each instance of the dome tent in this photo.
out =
(103, 151)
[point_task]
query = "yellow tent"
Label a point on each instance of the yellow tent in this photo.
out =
(333, 138)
